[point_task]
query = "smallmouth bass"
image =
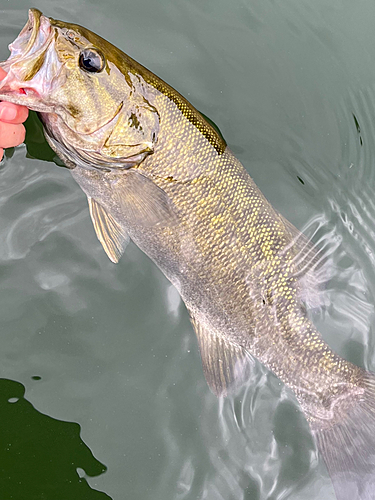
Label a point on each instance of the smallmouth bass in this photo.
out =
(154, 170)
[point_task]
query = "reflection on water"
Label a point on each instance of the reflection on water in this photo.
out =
(42, 457)
(291, 86)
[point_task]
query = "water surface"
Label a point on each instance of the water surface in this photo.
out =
(292, 87)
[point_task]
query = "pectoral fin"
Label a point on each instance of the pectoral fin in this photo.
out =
(226, 365)
(110, 234)
(142, 201)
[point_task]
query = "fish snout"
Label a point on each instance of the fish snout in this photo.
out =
(23, 83)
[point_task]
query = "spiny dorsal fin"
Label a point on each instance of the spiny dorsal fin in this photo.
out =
(110, 234)
(226, 365)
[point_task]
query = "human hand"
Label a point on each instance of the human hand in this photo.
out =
(12, 132)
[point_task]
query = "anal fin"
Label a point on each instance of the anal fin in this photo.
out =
(226, 365)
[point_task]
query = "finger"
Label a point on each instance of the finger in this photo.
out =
(12, 113)
(1, 153)
(11, 135)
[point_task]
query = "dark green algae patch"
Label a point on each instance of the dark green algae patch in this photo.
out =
(39, 455)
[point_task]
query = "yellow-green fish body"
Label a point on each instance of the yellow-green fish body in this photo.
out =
(154, 170)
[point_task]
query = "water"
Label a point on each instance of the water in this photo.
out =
(292, 87)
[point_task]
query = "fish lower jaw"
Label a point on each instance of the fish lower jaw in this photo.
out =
(25, 96)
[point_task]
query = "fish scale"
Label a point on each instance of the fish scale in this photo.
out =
(259, 237)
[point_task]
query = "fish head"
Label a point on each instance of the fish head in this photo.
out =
(91, 97)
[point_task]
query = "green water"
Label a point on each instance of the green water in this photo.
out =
(292, 87)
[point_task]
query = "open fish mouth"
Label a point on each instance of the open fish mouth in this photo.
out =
(23, 84)
(28, 35)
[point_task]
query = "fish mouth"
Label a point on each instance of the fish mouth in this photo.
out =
(28, 35)
(28, 51)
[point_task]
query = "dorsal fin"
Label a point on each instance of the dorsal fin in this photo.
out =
(310, 263)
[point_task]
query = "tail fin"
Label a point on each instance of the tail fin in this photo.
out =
(348, 448)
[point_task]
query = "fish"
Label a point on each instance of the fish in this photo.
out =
(158, 172)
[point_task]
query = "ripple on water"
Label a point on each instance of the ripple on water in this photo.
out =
(286, 83)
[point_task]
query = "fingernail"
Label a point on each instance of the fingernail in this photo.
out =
(8, 114)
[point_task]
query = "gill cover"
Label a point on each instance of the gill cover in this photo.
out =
(102, 103)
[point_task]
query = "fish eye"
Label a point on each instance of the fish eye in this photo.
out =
(91, 60)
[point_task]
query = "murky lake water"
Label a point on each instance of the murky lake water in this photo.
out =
(292, 87)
